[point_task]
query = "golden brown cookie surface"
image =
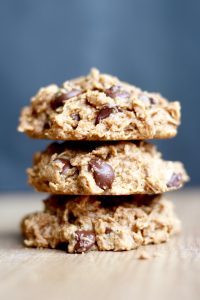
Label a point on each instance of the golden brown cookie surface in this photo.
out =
(114, 168)
(83, 223)
(99, 107)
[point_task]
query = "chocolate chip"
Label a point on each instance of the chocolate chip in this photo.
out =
(34, 112)
(71, 218)
(62, 96)
(175, 180)
(47, 125)
(102, 172)
(72, 93)
(85, 239)
(66, 164)
(116, 91)
(75, 117)
(58, 101)
(108, 230)
(152, 100)
(105, 113)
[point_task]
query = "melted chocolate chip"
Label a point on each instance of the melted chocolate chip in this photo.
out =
(75, 117)
(34, 112)
(72, 93)
(47, 125)
(71, 218)
(116, 91)
(105, 113)
(152, 100)
(108, 230)
(102, 172)
(66, 164)
(60, 98)
(85, 239)
(175, 180)
(58, 101)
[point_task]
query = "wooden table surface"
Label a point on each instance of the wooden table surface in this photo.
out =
(172, 272)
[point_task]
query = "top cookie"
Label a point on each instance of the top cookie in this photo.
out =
(99, 107)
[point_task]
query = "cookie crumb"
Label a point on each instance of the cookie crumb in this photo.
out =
(144, 255)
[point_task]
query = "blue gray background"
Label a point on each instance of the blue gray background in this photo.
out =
(153, 44)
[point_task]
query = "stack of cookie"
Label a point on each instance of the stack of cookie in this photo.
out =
(106, 182)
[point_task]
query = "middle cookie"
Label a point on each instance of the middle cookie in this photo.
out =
(115, 168)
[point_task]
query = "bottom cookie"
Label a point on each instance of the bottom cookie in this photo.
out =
(81, 223)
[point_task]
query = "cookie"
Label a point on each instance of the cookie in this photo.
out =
(99, 107)
(82, 223)
(92, 168)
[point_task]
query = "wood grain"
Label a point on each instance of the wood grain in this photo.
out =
(172, 272)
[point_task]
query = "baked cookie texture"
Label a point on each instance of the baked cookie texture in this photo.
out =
(99, 107)
(82, 223)
(92, 168)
